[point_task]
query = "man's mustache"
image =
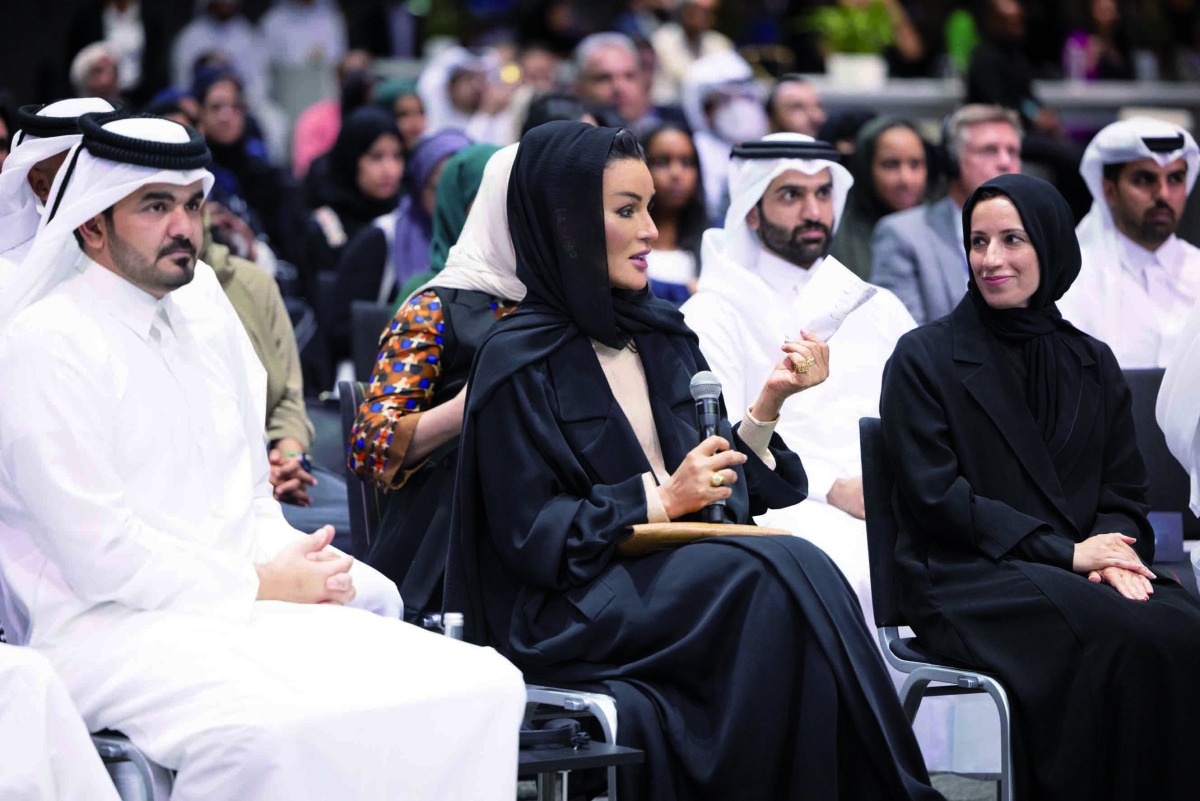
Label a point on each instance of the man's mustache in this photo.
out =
(177, 245)
(801, 230)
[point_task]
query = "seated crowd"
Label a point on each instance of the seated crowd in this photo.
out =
(565, 228)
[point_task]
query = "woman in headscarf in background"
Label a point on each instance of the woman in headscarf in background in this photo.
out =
(579, 424)
(678, 212)
(399, 97)
(1023, 547)
(455, 193)
(405, 438)
(890, 166)
(399, 247)
(359, 182)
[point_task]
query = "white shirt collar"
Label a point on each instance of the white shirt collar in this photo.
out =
(125, 301)
(782, 275)
(1138, 260)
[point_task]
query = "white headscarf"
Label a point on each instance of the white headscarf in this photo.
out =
(706, 74)
(748, 182)
(85, 187)
(1120, 143)
(19, 206)
(433, 86)
(483, 258)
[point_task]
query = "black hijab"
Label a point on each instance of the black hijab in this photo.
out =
(359, 131)
(556, 217)
(1052, 365)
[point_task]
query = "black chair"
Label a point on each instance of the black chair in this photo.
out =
(367, 322)
(907, 654)
(362, 496)
(1169, 488)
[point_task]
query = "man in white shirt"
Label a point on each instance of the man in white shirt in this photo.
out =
(1139, 280)
(139, 537)
(40, 145)
(784, 208)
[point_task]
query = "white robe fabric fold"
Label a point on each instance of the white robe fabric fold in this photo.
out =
(48, 754)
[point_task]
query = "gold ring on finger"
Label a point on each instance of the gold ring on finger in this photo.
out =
(716, 479)
(803, 366)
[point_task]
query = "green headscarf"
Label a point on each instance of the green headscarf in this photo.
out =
(455, 191)
(387, 92)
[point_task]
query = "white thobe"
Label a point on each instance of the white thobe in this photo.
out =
(742, 319)
(134, 502)
(48, 754)
(1134, 299)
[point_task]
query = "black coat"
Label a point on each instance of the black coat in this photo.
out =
(988, 518)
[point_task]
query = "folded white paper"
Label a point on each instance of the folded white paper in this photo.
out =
(828, 298)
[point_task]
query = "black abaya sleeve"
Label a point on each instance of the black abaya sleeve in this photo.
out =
(929, 481)
(780, 488)
(550, 523)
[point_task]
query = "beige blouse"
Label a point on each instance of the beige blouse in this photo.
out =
(627, 380)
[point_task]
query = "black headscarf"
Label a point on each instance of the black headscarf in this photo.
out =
(1052, 365)
(556, 216)
(341, 191)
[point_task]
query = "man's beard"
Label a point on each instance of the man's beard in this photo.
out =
(1156, 232)
(787, 243)
(137, 269)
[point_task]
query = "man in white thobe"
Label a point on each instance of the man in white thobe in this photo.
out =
(45, 135)
(787, 192)
(1139, 280)
(1178, 410)
(141, 541)
(782, 216)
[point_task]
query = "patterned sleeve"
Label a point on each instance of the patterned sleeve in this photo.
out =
(401, 389)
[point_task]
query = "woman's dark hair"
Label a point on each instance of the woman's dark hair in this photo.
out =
(625, 145)
(693, 217)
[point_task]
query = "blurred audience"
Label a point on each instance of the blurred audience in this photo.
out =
(137, 37)
(304, 33)
(391, 29)
(683, 41)
(678, 211)
(890, 167)
(919, 254)
(724, 107)
(317, 126)
(609, 73)
(95, 72)
(793, 106)
(219, 26)
(399, 97)
(463, 90)
(1100, 50)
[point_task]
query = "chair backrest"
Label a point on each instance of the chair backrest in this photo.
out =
(878, 481)
(1169, 484)
(361, 495)
(367, 321)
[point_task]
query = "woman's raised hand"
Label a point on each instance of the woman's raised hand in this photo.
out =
(805, 364)
(1101, 551)
(695, 483)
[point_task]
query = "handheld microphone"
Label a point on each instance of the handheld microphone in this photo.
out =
(706, 391)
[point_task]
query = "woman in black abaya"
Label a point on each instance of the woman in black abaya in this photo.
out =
(1023, 542)
(741, 665)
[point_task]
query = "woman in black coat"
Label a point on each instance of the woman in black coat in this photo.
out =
(1024, 544)
(741, 665)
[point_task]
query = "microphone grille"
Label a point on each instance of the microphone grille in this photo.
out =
(705, 385)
